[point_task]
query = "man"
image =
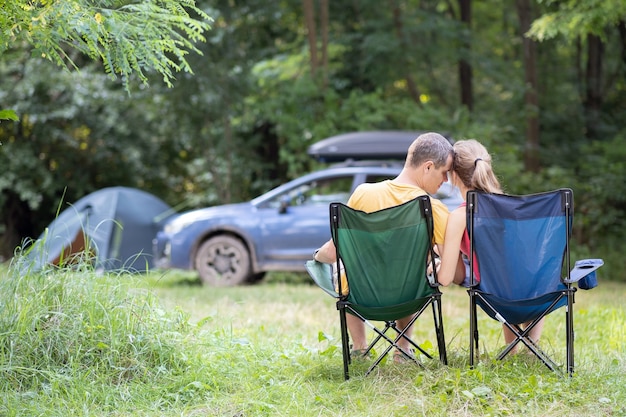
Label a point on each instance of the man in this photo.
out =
(428, 161)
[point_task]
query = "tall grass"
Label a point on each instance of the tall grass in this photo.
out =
(75, 343)
(73, 338)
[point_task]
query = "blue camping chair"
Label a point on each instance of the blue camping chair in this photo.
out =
(521, 246)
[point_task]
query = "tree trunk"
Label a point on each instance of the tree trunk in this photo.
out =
(531, 101)
(593, 98)
(465, 68)
(414, 92)
(324, 28)
(309, 21)
(622, 35)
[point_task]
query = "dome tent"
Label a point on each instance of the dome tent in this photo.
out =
(114, 225)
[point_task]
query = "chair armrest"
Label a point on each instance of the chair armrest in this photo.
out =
(584, 270)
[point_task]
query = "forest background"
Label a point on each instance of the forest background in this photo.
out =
(541, 83)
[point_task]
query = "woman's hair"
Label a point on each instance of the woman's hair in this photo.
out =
(429, 146)
(472, 164)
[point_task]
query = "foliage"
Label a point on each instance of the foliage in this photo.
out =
(602, 193)
(243, 121)
(73, 137)
(576, 18)
(128, 37)
(158, 345)
(8, 115)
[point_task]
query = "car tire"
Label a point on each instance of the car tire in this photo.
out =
(223, 261)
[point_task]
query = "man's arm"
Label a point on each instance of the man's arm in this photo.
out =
(327, 253)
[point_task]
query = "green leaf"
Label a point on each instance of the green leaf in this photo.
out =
(467, 394)
(321, 336)
(8, 115)
(481, 391)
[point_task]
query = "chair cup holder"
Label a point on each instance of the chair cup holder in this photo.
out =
(588, 280)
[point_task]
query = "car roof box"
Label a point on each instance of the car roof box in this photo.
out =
(369, 145)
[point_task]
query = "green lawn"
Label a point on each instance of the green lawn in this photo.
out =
(163, 345)
(297, 326)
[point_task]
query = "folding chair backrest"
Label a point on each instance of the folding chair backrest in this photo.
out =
(521, 242)
(384, 252)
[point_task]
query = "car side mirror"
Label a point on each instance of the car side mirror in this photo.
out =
(284, 204)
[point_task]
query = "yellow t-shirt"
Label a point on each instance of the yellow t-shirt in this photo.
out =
(369, 197)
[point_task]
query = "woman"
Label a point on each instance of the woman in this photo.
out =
(471, 170)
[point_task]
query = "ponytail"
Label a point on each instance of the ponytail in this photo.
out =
(484, 178)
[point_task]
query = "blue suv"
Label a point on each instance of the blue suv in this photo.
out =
(235, 244)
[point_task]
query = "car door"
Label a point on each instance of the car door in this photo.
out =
(296, 222)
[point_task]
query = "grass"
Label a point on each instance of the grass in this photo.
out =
(73, 343)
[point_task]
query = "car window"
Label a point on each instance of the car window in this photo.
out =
(318, 192)
(378, 178)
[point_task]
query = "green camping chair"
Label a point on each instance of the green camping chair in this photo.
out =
(385, 255)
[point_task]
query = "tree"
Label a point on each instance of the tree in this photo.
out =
(531, 99)
(76, 133)
(585, 22)
(465, 68)
(308, 8)
(46, 153)
(398, 28)
(128, 37)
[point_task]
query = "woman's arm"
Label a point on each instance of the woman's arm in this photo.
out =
(452, 268)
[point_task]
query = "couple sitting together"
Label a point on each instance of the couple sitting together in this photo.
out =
(431, 160)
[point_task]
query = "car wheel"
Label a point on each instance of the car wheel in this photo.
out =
(223, 261)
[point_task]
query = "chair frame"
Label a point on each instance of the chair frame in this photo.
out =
(567, 292)
(346, 307)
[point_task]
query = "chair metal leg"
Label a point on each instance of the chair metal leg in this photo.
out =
(522, 336)
(345, 308)
(381, 333)
(438, 318)
(473, 348)
(345, 339)
(569, 328)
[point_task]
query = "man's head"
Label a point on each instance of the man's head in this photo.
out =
(430, 158)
